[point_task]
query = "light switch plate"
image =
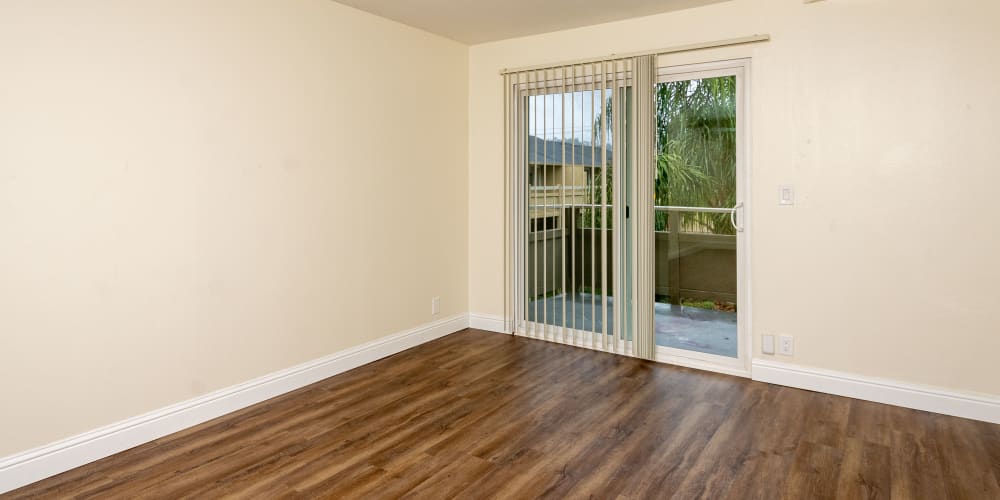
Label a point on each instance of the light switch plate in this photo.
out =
(767, 344)
(786, 195)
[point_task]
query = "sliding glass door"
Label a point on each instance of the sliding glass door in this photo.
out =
(699, 214)
(628, 201)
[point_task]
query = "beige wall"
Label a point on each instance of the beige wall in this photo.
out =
(195, 193)
(882, 114)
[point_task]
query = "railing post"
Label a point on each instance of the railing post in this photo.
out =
(569, 226)
(674, 255)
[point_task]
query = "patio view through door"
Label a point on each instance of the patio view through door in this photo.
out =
(573, 263)
(581, 274)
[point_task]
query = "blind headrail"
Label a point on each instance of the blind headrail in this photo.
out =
(669, 50)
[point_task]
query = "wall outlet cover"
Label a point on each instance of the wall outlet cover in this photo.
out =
(787, 345)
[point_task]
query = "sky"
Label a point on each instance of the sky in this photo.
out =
(545, 115)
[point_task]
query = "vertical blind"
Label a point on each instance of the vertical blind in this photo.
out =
(579, 156)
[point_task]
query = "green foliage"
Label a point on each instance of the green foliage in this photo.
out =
(696, 148)
(700, 304)
(591, 217)
(695, 152)
(602, 190)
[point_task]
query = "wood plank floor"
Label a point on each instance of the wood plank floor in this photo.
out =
(479, 414)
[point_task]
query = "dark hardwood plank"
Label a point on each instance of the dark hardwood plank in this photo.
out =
(963, 472)
(865, 471)
(814, 472)
(916, 467)
(483, 415)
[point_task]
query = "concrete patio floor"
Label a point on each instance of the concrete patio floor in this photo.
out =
(681, 327)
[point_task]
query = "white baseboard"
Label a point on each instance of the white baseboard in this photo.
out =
(25, 468)
(488, 322)
(977, 407)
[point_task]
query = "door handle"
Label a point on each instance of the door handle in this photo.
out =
(732, 217)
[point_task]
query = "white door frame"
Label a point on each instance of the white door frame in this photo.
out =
(740, 366)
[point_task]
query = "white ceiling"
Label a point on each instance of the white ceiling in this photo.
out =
(477, 21)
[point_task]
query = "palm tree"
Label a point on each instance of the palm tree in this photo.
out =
(695, 150)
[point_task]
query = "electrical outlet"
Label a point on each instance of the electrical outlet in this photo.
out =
(767, 344)
(435, 305)
(787, 345)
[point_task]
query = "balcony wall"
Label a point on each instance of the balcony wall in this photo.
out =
(703, 266)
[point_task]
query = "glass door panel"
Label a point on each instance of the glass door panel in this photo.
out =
(569, 265)
(696, 190)
(576, 148)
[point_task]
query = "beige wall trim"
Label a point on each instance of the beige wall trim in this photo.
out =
(33, 465)
(892, 392)
(669, 50)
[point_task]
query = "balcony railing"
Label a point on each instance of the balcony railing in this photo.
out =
(693, 262)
